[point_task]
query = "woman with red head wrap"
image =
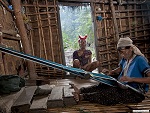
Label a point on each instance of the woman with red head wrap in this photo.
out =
(82, 57)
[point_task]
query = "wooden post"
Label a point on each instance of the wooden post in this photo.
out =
(24, 39)
(114, 20)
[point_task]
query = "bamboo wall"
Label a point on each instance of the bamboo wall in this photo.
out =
(129, 18)
(9, 39)
(44, 33)
(41, 17)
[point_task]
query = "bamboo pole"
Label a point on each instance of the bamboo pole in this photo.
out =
(114, 20)
(24, 39)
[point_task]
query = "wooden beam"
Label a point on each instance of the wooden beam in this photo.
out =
(24, 38)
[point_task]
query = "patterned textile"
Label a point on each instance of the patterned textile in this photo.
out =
(107, 95)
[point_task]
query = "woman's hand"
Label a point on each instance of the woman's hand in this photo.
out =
(105, 71)
(125, 79)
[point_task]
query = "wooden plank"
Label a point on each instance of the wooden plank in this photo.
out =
(39, 105)
(68, 96)
(6, 101)
(55, 99)
(23, 102)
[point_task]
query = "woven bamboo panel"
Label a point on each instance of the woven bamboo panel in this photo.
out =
(131, 17)
(44, 33)
(9, 39)
(6, 20)
(11, 65)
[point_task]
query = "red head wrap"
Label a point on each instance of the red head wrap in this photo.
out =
(82, 37)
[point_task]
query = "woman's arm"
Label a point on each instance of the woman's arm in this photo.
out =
(90, 59)
(139, 80)
(115, 71)
(112, 72)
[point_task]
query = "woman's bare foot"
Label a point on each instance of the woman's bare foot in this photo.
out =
(75, 88)
(76, 96)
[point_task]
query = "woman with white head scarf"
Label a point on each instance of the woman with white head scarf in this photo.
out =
(127, 42)
(133, 66)
(133, 70)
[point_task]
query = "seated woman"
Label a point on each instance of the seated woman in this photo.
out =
(82, 57)
(134, 70)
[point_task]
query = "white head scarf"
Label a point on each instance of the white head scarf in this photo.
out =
(123, 42)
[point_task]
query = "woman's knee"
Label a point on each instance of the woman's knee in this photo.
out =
(97, 63)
